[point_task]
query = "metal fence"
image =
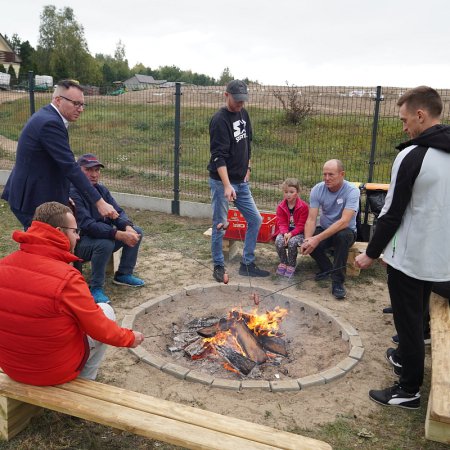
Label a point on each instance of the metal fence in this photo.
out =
(155, 141)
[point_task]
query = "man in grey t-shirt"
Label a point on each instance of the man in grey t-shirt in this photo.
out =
(338, 202)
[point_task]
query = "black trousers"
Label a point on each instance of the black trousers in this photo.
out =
(410, 301)
(341, 242)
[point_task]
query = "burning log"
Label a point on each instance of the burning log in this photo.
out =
(208, 332)
(238, 361)
(195, 349)
(272, 344)
(248, 342)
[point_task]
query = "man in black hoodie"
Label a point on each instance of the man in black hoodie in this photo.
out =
(229, 172)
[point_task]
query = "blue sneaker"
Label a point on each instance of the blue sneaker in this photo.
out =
(99, 295)
(128, 280)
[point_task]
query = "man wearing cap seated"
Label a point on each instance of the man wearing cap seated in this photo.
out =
(100, 237)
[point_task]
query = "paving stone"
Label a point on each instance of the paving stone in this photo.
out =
(311, 380)
(256, 384)
(138, 311)
(139, 351)
(232, 385)
(347, 364)
(175, 370)
(356, 352)
(154, 361)
(355, 341)
(284, 385)
(128, 321)
(198, 377)
(332, 374)
(193, 289)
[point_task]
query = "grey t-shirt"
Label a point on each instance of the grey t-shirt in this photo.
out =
(332, 204)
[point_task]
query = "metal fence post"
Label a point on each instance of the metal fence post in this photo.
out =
(31, 91)
(373, 147)
(176, 152)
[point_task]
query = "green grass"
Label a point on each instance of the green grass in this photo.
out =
(136, 140)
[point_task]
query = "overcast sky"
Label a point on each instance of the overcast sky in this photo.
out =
(315, 42)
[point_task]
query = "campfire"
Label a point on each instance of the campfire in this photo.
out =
(241, 340)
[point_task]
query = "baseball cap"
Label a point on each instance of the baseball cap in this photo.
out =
(238, 90)
(89, 160)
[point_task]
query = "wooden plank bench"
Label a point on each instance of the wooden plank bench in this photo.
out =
(437, 422)
(230, 248)
(141, 414)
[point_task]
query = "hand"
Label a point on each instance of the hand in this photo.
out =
(138, 339)
(129, 237)
(309, 245)
(247, 176)
(363, 261)
(229, 193)
(287, 236)
(106, 210)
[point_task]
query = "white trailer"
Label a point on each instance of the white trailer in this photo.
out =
(5, 79)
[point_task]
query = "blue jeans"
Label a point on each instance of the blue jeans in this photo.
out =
(246, 205)
(98, 251)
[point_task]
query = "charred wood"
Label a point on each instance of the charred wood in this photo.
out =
(248, 342)
(236, 360)
(273, 344)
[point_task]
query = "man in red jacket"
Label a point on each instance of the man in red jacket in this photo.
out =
(51, 330)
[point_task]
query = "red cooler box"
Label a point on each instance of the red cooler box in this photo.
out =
(238, 226)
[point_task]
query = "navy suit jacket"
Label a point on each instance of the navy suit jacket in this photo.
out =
(45, 165)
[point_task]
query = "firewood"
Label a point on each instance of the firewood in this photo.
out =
(236, 360)
(222, 325)
(195, 349)
(272, 344)
(248, 342)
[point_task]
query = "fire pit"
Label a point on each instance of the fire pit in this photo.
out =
(215, 335)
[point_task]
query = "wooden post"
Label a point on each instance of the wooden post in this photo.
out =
(15, 416)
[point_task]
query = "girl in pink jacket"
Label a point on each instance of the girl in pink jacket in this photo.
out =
(292, 213)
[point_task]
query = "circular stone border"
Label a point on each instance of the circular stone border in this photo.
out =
(347, 331)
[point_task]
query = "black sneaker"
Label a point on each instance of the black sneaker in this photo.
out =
(338, 290)
(219, 273)
(391, 356)
(396, 396)
(321, 276)
(397, 370)
(387, 310)
(426, 339)
(252, 270)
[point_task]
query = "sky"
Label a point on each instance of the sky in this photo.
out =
(300, 42)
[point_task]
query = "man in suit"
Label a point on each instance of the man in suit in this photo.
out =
(45, 165)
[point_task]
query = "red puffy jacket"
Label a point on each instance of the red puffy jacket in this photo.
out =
(46, 311)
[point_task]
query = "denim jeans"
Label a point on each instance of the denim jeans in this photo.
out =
(98, 251)
(246, 205)
(341, 242)
(97, 349)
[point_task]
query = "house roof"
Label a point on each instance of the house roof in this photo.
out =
(145, 79)
(7, 54)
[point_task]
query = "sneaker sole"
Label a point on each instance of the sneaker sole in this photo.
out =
(129, 285)
(395, 406)
(392, 363)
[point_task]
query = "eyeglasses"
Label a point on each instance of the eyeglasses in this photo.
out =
(74, 103)
(76, 230)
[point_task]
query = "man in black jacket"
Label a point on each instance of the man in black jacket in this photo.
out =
(100, 237)
(229, 172)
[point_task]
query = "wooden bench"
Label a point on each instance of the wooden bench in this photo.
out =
(437, 422)
(147, 416)
(230, 248)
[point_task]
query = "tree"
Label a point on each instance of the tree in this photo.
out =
(226, 77)
(62, 48)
